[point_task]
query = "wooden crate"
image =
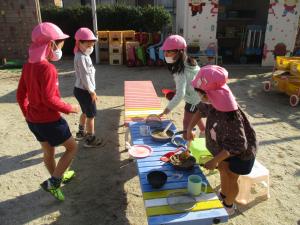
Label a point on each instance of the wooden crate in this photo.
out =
(115, 48)
(104, 55)
(115, 37)
(103, 45)
(115, 59)
(103, 37)
(128, 35)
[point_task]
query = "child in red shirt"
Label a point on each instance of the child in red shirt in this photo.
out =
(39, 99)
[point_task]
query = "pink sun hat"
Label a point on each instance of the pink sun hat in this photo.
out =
(83, 34)
(41, 36)
(212, 79)
(174, 42)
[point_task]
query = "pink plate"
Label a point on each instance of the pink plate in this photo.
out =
(140, 151)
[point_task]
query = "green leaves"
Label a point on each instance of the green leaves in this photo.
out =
(110, 17)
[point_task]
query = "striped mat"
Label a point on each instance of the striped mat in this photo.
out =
(140, 100)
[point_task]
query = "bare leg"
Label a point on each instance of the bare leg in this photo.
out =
(49, 157)
(233, 187)
(82, 119)
(90, 125)
(223, 168)
(66, 159)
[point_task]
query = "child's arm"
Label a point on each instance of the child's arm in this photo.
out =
(85, 75)
(180, 81)
(22, 98)
(50, 93)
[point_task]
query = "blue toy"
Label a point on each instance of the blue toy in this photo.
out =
(156, 55)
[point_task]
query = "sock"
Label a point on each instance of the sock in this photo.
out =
(223, 196)
(228, 206)
(81, 128)
(55, 181)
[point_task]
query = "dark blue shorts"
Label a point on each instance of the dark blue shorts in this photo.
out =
(87, 106)
(239, 166)
(55, 133)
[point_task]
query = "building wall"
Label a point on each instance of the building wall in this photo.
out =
(281, 29)
(17, 19)
(180, 13)
(200, 22)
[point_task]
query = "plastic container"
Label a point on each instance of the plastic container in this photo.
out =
(115, 37)
(116, 48)
(128, 35)
(295, 68)
(283, 62)
(116, 59)
(103, 36)
(198, 149)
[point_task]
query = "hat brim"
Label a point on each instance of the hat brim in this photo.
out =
(222, 99)
(62, 37)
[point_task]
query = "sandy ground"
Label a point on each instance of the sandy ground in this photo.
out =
(106, 189)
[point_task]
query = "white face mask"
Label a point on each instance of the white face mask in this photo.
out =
(89, 51)
(170, 60)
(56, 54)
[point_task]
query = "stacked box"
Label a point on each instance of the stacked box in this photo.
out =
(115, 47)
(103, 37)
(128, 35)
(115, 59)
(115, 37)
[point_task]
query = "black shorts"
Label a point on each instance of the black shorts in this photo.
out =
(87, 106)
(239, 166)
(55, 133)
(190, 108)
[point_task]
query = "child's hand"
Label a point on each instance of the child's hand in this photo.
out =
(211, 164)
(165, 112)
(75, 108)
(189, 136)
(94, 96)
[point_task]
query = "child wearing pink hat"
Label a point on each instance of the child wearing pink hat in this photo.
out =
(39, 99)
(85, 86)
(183, 69)
(229, 135)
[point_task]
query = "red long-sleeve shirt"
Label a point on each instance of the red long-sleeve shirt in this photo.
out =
(38, 94)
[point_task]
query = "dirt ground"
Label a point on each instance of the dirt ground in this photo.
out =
(106, 190)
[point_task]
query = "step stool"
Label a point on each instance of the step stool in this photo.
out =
(258, 175)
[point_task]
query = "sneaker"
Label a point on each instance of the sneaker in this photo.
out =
(230, 210)
(68, 176)
(80, 135)
(55, 191)
(93, 141)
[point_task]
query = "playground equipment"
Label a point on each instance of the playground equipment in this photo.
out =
(131, 59)
(156, 55)
(144, 39)
(286, 78)
(251, 44)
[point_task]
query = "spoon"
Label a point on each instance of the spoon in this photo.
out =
(167, 128)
